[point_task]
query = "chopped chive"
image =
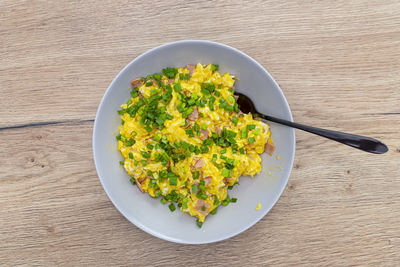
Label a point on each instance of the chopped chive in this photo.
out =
(170, 72)
(216, 201)
(163, 173)
(130, 155)
(158, 192)
(190, 133)
(251, 126)
(144, 163)
(203, 102)
(241, 150)
(225, 172)
(157, 76)
(150, 146)
(223, 151)
(234, 147)
(257, 131)
(211, 103)
(251, 139)
(173, 180)
(202, 187)
(130, 142)
(214, 67)
(177, 87)
(244, 133)
(133, 181)
(199, 224)
(235, 120)
(156, 175)
(191, 101)
(195, 189)
(196, 175)
(203, 208)
(163, 200)
(231, 99)
(122, 162)
(233, 200)
(187, 76)
(181, 77)
(172, 207)
(149, 83)
(228, 108)
(145, 154)
(191, 148)
(214, 211)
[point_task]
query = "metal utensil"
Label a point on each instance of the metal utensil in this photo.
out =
(367, 144)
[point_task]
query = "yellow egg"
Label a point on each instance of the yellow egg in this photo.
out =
(183, 138)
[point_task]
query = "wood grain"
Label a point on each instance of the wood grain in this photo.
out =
(338, 63)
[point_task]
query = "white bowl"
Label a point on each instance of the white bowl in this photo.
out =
(150, 214)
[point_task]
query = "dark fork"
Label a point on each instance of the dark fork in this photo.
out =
(361, 142)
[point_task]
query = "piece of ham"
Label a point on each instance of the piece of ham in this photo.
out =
(207, 180)
(199, 163)
(139, 183)
(204, 134)
(136, 82)
(269, 148)
(187, 124)
(191, 68)
(228, 180)
(199, 206)
(194, 115)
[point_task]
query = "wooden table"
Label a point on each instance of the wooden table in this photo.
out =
(338, 63)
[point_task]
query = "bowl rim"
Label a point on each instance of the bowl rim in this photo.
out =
(144, 227)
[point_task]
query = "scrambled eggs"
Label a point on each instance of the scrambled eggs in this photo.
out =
(184, 139)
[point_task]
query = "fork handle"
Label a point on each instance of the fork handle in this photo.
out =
(361, 142)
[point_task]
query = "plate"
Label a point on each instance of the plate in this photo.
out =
(150, 214)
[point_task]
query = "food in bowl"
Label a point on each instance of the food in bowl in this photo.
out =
(184, 139)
